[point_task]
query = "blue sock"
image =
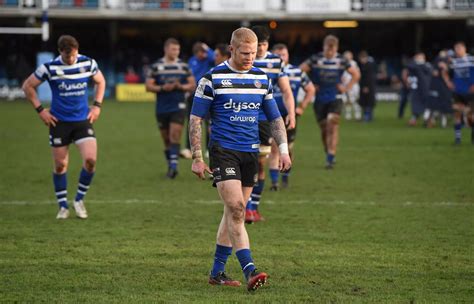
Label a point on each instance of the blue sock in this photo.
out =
(457, 131)
(285, 175)
(85, 180)
(60, 188)
(246, 261)
(173, 156)
(367, 115)
(274, 175)
(254, 200)
(330, 158)
(220, 258)
(167, 155)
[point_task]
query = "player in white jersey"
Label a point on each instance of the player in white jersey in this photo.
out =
(351, 97)
(70, 118)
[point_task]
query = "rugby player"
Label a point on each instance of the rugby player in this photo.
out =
(70, 118)
(233, 93)
(298, 79)
(417, 76)
(462, 85)
(221, 53)
(325, 70)
(272, 65)
(351, 98)
(170, 78)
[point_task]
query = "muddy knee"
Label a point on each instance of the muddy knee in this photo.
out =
(237, 211)
(89, 164)
(60, 167)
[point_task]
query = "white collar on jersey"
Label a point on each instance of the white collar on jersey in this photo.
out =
(266, 55)
(235, 70)
(61, 59)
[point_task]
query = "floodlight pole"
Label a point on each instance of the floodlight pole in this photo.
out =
(44, 20)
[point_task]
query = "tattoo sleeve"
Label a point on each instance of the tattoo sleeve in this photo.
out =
(277, 127)
(195, 134)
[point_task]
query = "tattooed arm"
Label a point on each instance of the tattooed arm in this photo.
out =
(198, 167)
(277, 127)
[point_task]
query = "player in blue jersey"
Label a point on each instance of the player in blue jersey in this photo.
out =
(462, 86)
(325, 70)
(233, 94)
(170, 78)
(200, 63)
(70, 118)
(221, 53)
(417, 77)
(298, 80)
(272, 65)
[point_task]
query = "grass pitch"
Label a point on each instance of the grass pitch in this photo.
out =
(394, 222)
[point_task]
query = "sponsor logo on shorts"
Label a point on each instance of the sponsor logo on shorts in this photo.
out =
(255, 178)
(230, 171)
(57, 141)
(227, 83)
(216, 173)
(90, 131)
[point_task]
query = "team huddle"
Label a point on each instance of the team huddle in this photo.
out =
(249, 102)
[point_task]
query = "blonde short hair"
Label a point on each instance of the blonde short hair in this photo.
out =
(243, 35)
(331, 40)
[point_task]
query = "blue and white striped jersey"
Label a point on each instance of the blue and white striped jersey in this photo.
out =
(298, 79)
(234, 99)
(69, 85)
(272, 65)
(326, 74)
(163, 72)
(462, 69)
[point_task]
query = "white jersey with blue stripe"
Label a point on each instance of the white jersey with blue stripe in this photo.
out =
(69, 85)
(462, 69)
(234, 99)
(272, 65)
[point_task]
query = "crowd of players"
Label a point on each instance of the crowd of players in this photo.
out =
(250, 99)
(440, 88)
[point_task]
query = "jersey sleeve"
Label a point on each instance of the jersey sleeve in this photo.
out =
(187, 70)
(42, 73)
(203, 96)
(270, 107)
(305, 80)
(282, 72)
(309, 61)
(347, 64)
(151, 71)
(94, 67)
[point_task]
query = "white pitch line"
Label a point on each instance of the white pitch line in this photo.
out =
(267, 202)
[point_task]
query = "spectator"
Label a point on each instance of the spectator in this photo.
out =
(131, 76)
(368, 80)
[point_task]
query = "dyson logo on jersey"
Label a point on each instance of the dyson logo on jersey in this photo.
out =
(238, 106)
(72, 86)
